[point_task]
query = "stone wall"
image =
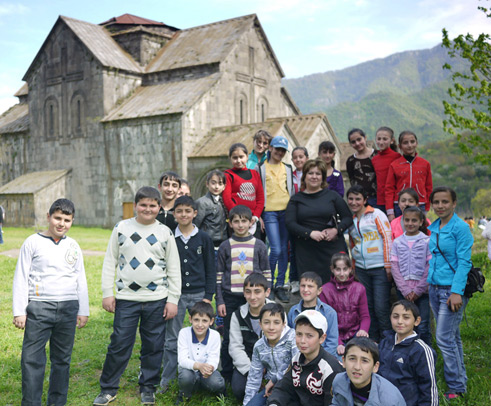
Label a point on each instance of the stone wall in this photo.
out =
(13, 156)
(19, 210)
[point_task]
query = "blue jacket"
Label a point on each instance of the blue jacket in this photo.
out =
(410, 366)
(382, 393)
(330, 344)
(455, 240)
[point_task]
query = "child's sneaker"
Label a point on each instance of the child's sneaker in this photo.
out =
(452, 395)
(295, 286)
(103, 399)
(147, 398)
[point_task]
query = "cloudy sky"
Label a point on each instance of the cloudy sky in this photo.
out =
(308, 36)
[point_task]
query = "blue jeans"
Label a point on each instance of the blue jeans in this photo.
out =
(152, 332)
(186, 302)
(423, 329)
(378, 297)
(275, 225)
(191, 381)
(56, 322)
(448, 337)
(238, 384)
(258, 399)
(1, 234)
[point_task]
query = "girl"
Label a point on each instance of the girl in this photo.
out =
(277, 182)
(299, 157)
(407, 197)
(384, 138)
(450, 246)
(359, 165)
(334, 180)
(409, 170)
(410, 258)
(212, 214)
(348, 297)
(370, 241)
(242, 185)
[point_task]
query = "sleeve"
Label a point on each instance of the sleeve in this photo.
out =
(390, 190)
(236, 347)
(424, 369)
(263, 259)
(291, 317)
(201, 208)
(327, 388)
(422, 286)
(463, 249)
(110, 264)
(429, 186)
(20, 290)
(184, 356)
(213, 346)
(350, 170)
(210, 268)
(291, 219)
(254, 377)
(396, 272)
(331, 342)
(335, 384)
(284, 392)
(82, 290)
(363, 309)
(385, 232)
(487, 231)
(221, 267)
(344, 212)
(340, 185)
(227, 192)
(259, 194)
(173, 270)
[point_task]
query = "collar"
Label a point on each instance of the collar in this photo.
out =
(52, 239)
(369, 209)
(178, 233)
(195, 339)
(414, 334)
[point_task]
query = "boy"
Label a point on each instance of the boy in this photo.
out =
(245, 329)
(310, 289)
(360, 384)
(199, 354)
(50, 298)
(406, 360)
(143, 256)
(198, 277)
(238, 257)
(169, 185)
(260, 143)
(309, 379)
(271, 355)
(185, 189)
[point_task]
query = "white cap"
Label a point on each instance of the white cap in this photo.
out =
(316, 319)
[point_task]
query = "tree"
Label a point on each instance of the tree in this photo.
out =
(468, 113)
(480, 203)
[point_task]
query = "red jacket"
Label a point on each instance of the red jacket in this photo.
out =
(381, 163)
(246, 192)
(403, 174)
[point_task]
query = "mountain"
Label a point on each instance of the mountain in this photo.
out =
(402, 91)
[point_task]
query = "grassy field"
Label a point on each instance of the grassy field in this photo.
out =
(91, 342)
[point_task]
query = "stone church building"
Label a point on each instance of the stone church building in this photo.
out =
(112, 106)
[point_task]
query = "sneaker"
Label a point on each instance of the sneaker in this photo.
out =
(452, 395)
(281, 295)
(295, 286)
(103, 399)
(147, 398)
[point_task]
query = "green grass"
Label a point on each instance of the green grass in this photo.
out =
(91, 342)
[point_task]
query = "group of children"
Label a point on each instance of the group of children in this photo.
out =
(155, 271)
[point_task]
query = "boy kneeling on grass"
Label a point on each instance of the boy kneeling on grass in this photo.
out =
(199, 354)
(360, 384)
(308, 381)
(50, 299)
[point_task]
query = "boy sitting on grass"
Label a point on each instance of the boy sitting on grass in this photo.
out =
(308, 382)
(406, 360)
(50, 299)
(310, 289)
(360, 384)
(199, 354)
(271, 356)
(142, 265)
(245, 329)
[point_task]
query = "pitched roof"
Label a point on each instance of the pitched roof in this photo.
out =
(304, 126)
(15, 119)
(206, 44)
(99, 43)
(32, 182)
(23, 91)
(162, 99)
(127, 19)
(218, 141)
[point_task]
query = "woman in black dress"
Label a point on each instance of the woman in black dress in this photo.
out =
(317, 218)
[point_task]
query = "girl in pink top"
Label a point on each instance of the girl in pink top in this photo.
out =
(348, 297)
(407, 197)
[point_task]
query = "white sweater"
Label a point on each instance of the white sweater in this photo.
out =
(50, 271)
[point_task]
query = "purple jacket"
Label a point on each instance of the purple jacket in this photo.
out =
(335, 182)
(349, 299)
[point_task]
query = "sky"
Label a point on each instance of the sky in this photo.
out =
(308, 36)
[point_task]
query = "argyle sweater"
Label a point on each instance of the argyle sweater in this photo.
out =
(142, 263)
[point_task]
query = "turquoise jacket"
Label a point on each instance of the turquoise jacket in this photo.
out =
(455, 240)
(253, 160)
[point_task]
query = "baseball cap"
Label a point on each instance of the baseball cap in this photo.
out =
(315, 318)
(279, 142)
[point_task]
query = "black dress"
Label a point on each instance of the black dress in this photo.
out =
(307, 212)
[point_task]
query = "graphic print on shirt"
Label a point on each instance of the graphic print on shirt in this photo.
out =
(71, 255)
(314, 382)
(247, 191)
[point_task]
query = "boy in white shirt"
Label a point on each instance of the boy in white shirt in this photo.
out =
(199, 354)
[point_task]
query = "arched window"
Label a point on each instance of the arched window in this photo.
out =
(262, 108)
(77, 115)
(51, 118)
(241, 112)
